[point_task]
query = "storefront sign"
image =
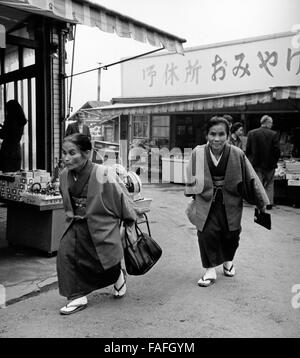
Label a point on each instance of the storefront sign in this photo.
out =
(252, 64)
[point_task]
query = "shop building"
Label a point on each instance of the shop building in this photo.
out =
(166, 100)
(33, 35)
(32, 57)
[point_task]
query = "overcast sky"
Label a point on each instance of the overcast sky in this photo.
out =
(198, 21)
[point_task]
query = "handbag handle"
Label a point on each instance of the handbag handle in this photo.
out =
(128, 242)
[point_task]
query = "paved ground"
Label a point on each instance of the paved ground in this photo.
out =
(167, 302)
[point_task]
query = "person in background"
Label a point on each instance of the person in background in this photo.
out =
(217, 173)
(229, 119)
(90, 251)
(263, 151)
(79, 126)
(237, 130)
(11, 132)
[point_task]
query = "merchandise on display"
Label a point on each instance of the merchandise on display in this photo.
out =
(32, 187)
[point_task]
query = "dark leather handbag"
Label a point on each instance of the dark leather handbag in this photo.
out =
(140, 254)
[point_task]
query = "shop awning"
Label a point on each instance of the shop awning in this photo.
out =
(291, 92)
(217, 103)
(88, 13)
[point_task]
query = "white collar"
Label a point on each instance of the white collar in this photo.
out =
(214, 159)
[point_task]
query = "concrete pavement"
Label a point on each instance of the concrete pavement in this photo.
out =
(267, 262)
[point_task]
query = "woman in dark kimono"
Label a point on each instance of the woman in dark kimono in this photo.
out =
(11, 133)
(237, 131)
(217, 174)
(90, 251)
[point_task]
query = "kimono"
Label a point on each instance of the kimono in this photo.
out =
(91, 250)
(237, 142)
(218, 193)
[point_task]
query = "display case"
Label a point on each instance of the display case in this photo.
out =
(39, 227)
(35, 215)
(287, 182)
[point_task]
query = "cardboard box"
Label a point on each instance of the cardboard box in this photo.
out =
(292, 167)
(292, 182)
(290, 176)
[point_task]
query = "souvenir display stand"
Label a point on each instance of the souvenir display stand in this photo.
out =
(35, 226)
(287, 182)
(35, 215)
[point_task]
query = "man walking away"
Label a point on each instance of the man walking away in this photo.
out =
(263, 152)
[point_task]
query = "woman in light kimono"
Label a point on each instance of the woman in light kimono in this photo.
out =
(218, 177)
(90, 251)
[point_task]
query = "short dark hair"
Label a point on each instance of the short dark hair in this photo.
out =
(82, 141)
(217, 120)
(236, 126)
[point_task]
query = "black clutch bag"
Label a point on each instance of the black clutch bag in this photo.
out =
(263, 219)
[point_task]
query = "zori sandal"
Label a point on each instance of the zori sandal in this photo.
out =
(229, 272)
(205, 282)
(120, 292)
(74, 306)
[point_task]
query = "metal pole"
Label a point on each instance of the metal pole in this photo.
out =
(72, 67)
(115, 63)
(99, 83)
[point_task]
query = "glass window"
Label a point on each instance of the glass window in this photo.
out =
(11, 61)
(108, 133)
(10, 91)
(28, 57)
(160, 130)
(140, 126)
(33, 122)
(160, 121)
(2, 104)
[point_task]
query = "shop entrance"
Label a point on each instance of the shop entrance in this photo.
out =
(190, 131)
(184, 132)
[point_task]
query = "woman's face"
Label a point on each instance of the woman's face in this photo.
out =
(80, 117)
(240, 132)
(217, 137)
(73, 157)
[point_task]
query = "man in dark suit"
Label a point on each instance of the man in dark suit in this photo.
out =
(263, 152)
(78, 126)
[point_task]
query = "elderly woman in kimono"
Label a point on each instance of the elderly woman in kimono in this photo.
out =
(219, 176)
(90, 251)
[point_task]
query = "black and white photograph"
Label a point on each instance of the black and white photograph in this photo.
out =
(150, 171)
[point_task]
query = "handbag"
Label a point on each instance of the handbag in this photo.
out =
(140, 254)
(263, 219)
